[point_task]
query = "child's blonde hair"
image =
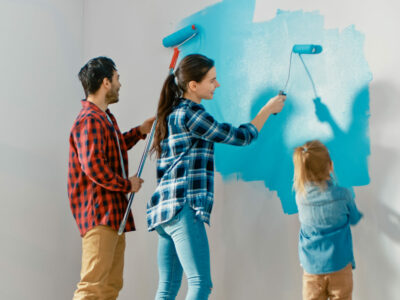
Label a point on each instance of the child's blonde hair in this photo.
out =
(312, 163)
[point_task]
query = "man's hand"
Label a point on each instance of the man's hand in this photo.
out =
(146, 126)
(136, 183)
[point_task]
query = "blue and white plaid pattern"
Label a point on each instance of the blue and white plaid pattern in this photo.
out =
(185, 170)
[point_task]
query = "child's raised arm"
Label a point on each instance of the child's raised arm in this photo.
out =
(354, 214)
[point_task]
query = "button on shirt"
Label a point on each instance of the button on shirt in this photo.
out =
(96, 185)
(325, 242)
(185, 170)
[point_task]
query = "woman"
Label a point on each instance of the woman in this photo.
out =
(184, 143)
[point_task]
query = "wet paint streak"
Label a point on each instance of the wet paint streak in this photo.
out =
(252, 64)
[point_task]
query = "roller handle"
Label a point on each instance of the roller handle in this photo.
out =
(174, 59)
(139, 172)
(282, 93)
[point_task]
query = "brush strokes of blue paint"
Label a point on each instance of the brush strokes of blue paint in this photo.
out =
(252, 64)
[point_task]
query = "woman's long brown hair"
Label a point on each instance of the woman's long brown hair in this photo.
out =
(193, 67)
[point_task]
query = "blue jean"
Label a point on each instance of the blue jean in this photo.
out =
(183, 246)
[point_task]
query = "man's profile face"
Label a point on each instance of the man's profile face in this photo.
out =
(112, 95)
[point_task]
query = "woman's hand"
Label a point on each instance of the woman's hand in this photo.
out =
(275, 104)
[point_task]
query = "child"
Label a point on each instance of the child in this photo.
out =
(184, 143)
(326, 212)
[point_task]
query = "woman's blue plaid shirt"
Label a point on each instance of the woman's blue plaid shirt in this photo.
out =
(185, 170)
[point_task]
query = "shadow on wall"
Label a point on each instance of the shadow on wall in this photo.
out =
(374, 237)
(251, 62)
(378, 234)
(349, 149)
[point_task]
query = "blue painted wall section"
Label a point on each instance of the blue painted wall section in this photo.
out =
(252, 65)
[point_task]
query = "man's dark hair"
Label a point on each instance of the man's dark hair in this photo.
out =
(92, 74)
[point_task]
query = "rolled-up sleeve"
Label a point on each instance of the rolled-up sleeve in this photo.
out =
(202, 125)
(132, 136)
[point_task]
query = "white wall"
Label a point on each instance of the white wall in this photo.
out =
(254, 256)
(41, 53)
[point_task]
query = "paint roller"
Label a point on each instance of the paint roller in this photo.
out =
(179, 37)
(302, 49)
(307, 49)
(175, 40)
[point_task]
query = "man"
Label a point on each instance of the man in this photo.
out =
(98, 181)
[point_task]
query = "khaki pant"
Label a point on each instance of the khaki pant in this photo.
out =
(335, 286)
(102, 264)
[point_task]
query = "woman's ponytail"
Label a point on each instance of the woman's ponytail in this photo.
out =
(169, 98)
(193, 67)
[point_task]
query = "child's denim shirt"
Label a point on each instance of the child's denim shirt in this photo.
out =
(325, 214)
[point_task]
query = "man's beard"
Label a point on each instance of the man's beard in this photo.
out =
(112, 97)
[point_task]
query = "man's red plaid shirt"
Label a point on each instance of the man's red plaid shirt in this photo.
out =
(96, 187)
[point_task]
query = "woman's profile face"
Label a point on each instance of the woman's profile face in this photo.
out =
(205, 88)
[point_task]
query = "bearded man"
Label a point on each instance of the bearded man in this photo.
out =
(98, 181)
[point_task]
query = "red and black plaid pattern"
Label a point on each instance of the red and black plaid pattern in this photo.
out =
(96, 187)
